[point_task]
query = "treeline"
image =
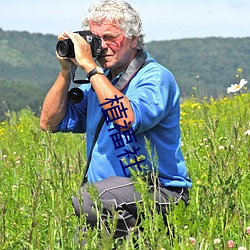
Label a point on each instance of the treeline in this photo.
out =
(28, 67)
(16, 95)
(204, 67)
(210, 64)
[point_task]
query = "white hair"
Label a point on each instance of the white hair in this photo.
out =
(120, 13)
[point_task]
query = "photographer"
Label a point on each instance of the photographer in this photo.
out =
(138, 98)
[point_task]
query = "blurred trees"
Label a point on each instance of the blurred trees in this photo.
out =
(202, 67)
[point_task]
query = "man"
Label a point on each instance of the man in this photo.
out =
(139, 99)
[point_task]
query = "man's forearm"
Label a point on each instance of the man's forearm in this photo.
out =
(104, 91)
(55, 103)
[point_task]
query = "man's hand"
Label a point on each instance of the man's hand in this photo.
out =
(83, 54)
(66, 63)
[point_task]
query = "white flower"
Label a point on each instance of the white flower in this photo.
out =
(192, 240)
(237, 87)
(22, 210)
(247, 133)
(242, 248)
(217, 241)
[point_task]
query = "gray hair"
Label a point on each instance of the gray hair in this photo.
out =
(120, 13)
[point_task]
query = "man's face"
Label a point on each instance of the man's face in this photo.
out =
(118, 50)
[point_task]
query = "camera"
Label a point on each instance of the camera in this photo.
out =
(65, 48)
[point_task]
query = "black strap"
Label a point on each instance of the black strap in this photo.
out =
(97, 132)
(136, 64)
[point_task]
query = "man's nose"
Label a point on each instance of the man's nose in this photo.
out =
(104, 44)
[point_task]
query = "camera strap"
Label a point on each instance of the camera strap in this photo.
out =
(136, 64)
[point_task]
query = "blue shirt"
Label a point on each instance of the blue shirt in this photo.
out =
(154, 97)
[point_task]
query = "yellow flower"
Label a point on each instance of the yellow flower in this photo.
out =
(195, 105)
(240, 70)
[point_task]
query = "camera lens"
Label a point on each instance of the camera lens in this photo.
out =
(65, 48)
(75, 95)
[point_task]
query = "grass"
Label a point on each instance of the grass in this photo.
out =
(40, 172)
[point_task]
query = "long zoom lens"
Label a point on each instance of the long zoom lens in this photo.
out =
(65, 48)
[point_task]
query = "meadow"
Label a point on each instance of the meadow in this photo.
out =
(40, 172)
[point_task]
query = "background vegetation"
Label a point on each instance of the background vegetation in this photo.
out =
(28, 66)
(40, 172)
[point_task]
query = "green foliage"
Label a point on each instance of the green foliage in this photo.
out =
(28, 68)
(40, 172)
(28, 58)
(14, 95)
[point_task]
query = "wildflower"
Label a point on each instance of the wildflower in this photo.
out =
(198, 182)
(22, 210)
(240, 70)
(195, 106)
(192, 240)
(14, 188)
(247, 133)
(237, 87)
(248, 230)
(216, 241)
(221, 147)
(45, 216)
(230, 244)
(242, 248)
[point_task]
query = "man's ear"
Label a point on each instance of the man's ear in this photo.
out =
(134, 42)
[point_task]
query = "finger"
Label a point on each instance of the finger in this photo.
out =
(69, 60)
(62, 36)
(59, 57)
(66, 33)
(70, 35)
(75, 37)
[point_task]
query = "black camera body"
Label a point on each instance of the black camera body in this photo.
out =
(65, 48)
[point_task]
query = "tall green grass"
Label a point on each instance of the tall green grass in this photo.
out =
(40, 172)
